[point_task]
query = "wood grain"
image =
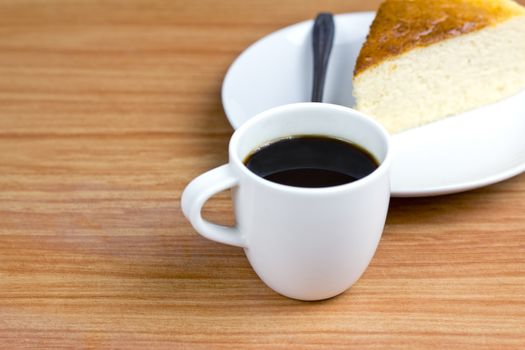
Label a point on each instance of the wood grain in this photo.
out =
(108, 109)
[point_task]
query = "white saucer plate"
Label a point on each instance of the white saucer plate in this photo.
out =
(467, 151)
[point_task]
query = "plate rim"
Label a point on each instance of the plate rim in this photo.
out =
(229, 72)
(463, 186)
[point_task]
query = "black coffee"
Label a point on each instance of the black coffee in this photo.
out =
(311, 161)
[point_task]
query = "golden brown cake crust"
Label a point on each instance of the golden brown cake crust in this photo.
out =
(401, 25)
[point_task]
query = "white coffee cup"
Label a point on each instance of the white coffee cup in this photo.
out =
(305, 243)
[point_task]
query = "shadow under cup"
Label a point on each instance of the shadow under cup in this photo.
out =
(310, 243)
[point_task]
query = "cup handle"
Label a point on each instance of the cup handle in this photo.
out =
(198, 192)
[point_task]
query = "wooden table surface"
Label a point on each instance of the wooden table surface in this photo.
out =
(109, 108)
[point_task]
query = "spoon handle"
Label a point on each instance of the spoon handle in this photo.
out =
(323, 38)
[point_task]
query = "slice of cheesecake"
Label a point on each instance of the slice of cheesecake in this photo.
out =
(424, 60)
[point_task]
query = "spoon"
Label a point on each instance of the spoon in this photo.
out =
(322, 41)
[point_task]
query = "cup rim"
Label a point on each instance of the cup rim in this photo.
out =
(381, 169)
